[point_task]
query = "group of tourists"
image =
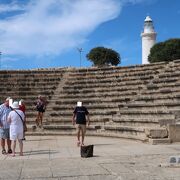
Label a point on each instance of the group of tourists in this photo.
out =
(13, 123)
(12, 119)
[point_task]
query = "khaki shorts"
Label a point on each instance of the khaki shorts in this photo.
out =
(81, 127)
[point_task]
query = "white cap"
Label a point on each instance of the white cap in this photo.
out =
(79, 104)
(15, 105)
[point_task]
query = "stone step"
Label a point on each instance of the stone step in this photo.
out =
(110, 131)
(126, 70)
(101, 85)
(97, 94)
(135, 123)
(148, 116)
(145, 112)
(152, 105)
(160, 141)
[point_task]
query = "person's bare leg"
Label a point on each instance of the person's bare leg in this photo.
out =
(13, 147)
(9, 144)
(37, 119)
(3, 144)
(41, 118)
(82, 134)
(78, 137)
(20, 147)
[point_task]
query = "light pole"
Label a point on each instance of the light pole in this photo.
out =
(0, 59)
(80, 52)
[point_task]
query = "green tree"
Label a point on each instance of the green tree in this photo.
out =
(101, 56)
(165, 51)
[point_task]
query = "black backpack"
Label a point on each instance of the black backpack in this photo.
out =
(87, 151)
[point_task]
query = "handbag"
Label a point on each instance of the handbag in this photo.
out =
(87, 151)
(23, 122)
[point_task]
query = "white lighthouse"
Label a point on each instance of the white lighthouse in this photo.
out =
(148, 39)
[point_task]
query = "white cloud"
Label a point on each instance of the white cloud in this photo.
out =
(11, 7)
(46, 27)
(52, 26)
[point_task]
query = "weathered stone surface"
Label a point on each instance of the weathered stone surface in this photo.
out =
(126, 98)
(166, 122)
(58, 158)
(174, 132)
(156, 133)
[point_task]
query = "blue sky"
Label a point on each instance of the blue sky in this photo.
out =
(47, 33)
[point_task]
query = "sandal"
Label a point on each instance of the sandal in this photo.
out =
(3, 151)
(9, 151)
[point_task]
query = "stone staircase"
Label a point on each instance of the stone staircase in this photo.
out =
(137, 102)
(27, 85)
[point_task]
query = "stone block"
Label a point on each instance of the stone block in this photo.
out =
(159, 141)
(156, 133)
(166, 122)
(151, 86)
(174, 132)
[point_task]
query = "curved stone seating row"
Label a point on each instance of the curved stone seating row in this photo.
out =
(131, 102)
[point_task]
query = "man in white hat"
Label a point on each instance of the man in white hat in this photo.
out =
(4, 126)
(16, 120)
(80, 115)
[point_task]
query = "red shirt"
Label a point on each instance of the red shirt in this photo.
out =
(22, 108)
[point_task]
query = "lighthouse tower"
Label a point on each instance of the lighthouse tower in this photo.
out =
(148, 39)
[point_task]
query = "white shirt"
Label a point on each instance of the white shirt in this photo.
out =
(16, 124)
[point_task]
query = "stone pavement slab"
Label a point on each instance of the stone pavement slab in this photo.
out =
(58, 158)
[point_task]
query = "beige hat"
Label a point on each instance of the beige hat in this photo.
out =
(15, 105)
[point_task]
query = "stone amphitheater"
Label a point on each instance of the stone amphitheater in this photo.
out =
(139, 102)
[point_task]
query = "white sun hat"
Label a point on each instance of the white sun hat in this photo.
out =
(15, 105)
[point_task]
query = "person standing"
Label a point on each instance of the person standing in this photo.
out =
(40, 107)
(80, 115)
(16, 120)
(4, 126)
(22, 107)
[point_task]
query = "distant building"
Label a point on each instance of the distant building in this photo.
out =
(148, 39)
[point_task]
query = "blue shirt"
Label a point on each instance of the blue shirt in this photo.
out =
(4, 112)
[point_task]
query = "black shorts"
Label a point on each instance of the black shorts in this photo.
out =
(40, 109)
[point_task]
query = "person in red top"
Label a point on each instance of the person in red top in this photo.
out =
(22, 107)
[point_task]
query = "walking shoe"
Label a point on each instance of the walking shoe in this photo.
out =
(78, 143)
(3, 151)
(9, 151)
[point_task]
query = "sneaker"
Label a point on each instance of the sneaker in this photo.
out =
(9, 151)
(3, 151)
(78, 144)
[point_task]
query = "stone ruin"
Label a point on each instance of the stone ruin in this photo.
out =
(138, 102)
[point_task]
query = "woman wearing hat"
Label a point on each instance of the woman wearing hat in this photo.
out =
(16, 119)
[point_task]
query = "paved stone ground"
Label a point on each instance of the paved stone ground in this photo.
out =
(58, 158)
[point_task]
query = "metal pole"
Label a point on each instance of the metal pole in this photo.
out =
(80, 51)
